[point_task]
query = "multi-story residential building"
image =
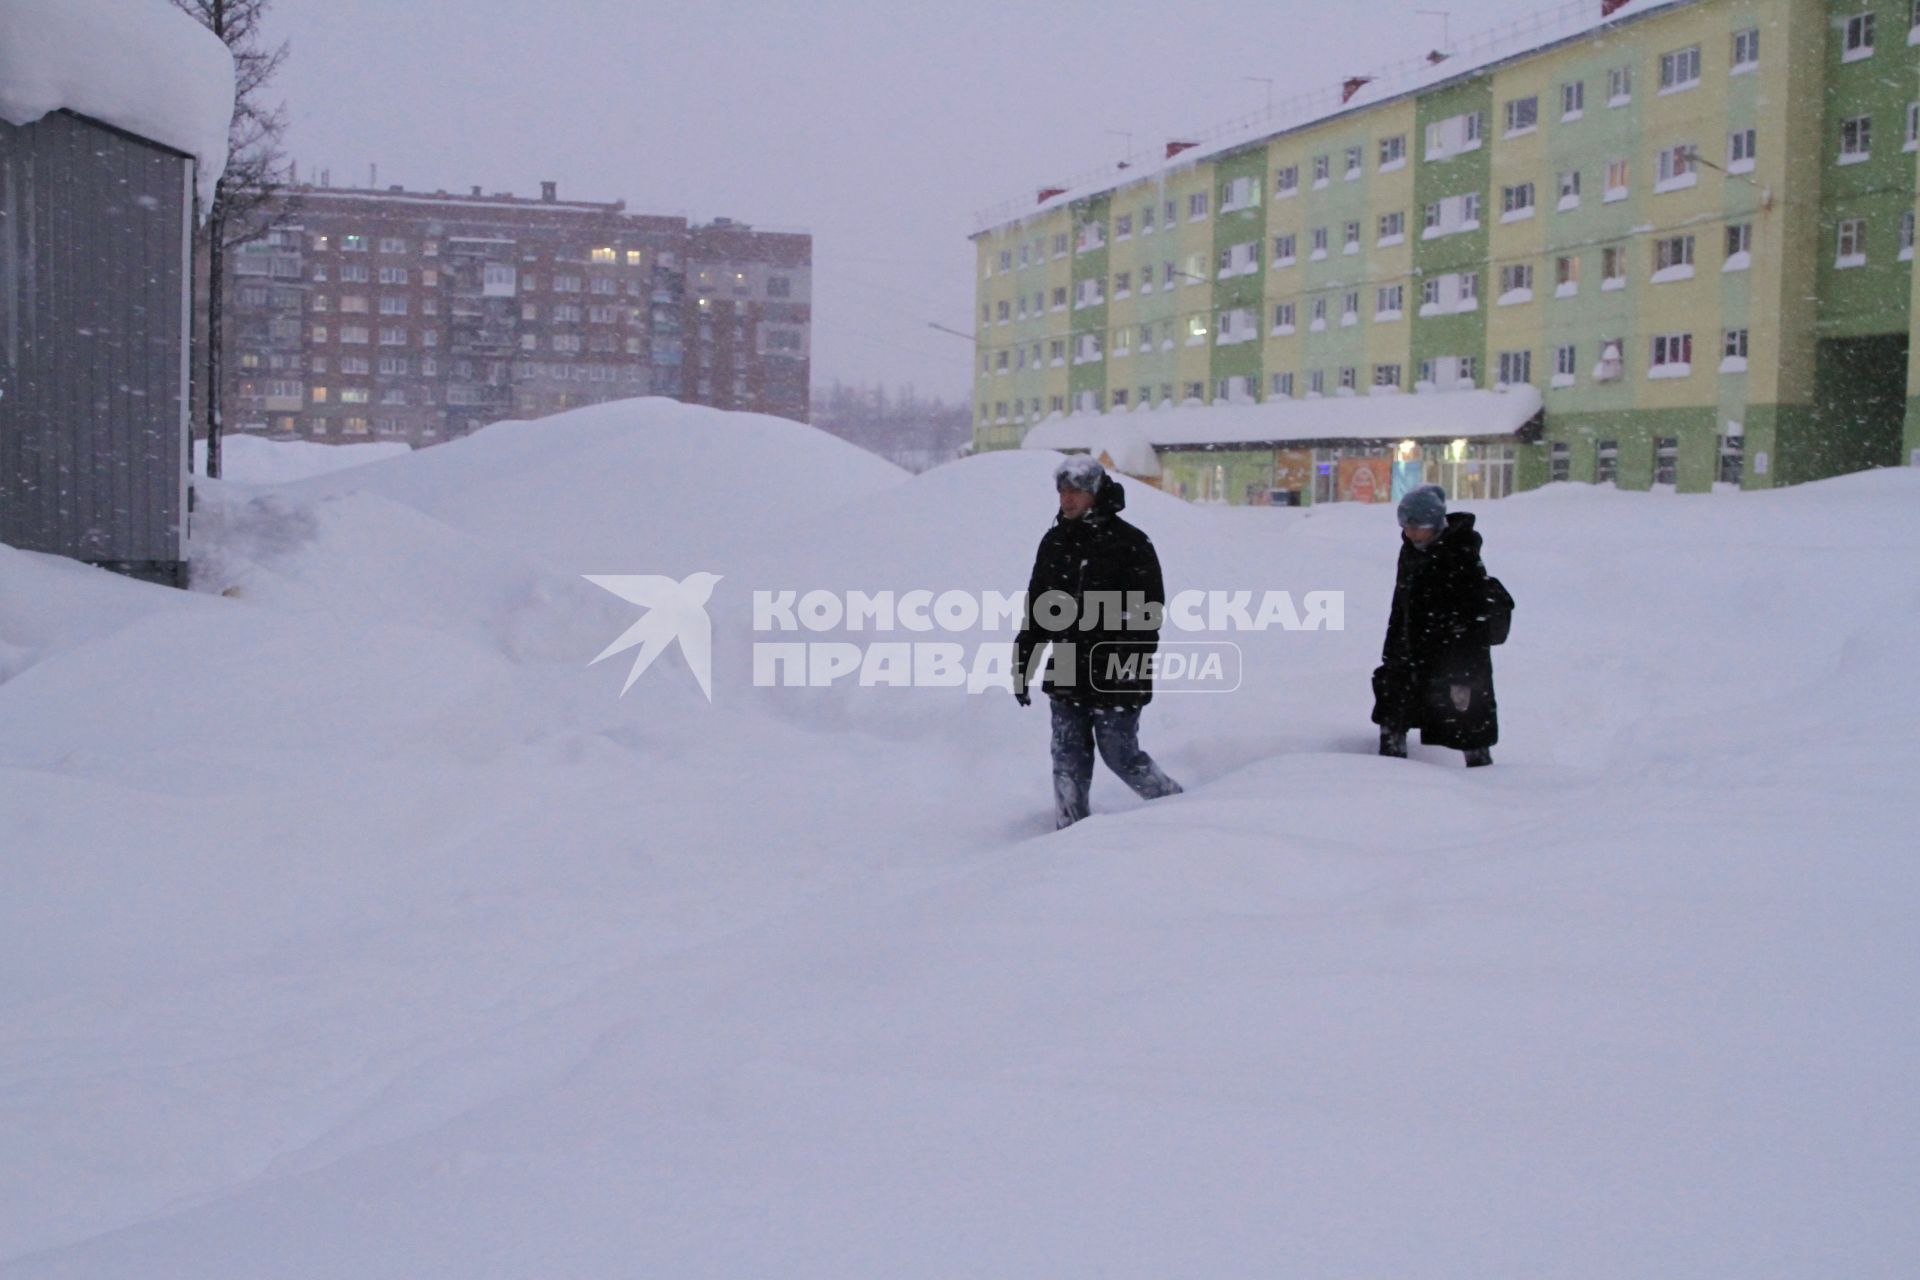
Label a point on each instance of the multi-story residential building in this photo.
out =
(422, 316)
(1645, 242)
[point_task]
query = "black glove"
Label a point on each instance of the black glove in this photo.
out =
(1023, 697)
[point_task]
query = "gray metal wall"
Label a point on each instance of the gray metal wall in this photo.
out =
(95, 243)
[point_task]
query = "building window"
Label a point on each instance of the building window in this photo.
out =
(1354, 162)
(1286, 182)
(389, 244)
(1283, 318)
(1516, 202)
(1560, 465)
(1454, 134)
(1196, 206)
(393, 275)
(1386, 375)
(1666, 460)
(1350, 308)
(1606, 462)
(1733, 350)
(1732, 455)
(353, 303)
(1566, 276)
(1319, 242)
(1742, 147)
(1349, 378)
(1393, 228)
(1856, 139)
(1122, 230)
(353, 333)
(1351, 243)
(1619, 86)
(1566, 363)
(1680, 69)
(1283, 247)
(1852, 248)
(1516, 284)
(352, 244)
(1672, 356)
(1322, 169)
(1739, 246)
(1281, 384)
(1393, 151)
(1617, 177)
(1516, 367)
(1675, 168)
(1912, 142)
(1672, 258)
(1569, 186)
(1906, 236)
(1746, 49)
(1523, 115)
(1389, 302)
(1573, 99)
(1859, 38)
(391, 305)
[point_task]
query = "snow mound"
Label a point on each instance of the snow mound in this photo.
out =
(140, 65)
(355, 925)
(246, 459)
(636, 486)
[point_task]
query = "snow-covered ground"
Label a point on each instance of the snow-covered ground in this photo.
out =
(353, 926)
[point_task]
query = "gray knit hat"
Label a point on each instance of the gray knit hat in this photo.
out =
(1424, 508)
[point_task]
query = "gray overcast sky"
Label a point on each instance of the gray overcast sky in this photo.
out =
(878, 127)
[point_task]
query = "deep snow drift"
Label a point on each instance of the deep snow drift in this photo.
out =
(355, 926)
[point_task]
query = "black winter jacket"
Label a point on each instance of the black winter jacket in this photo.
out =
(1436, 671)
(1097, 554)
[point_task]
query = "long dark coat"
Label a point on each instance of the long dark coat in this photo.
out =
(1098, 553)
(1436, 671)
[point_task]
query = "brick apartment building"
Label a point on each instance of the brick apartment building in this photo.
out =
(421, 316)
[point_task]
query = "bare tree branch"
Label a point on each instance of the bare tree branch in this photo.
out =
(244, 206)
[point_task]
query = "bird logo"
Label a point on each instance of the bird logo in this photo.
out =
(675, 611)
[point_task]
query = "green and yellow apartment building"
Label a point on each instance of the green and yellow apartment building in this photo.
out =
(1658, 242)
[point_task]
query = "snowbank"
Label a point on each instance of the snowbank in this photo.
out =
(1442, 415)
(140, 65)
(247, 459)
(355, 926)
(626, 487)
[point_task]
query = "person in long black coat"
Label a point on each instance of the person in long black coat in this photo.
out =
(1090, 561)
(1436, 669)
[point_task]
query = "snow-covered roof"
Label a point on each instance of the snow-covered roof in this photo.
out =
(139, 65)
(1439, 415)
(1566, 20)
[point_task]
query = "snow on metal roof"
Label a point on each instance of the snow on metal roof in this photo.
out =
(138, 65)
(1438, 415)
(1565, 21)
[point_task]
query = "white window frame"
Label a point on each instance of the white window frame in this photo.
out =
(1856, 140)
(1522, 116)
(1743, 148)
(1857, 38)
(1850, 249)
(1680, 70)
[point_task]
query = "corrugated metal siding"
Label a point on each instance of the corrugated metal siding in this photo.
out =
(92, 349)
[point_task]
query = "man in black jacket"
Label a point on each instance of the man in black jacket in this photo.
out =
(1096, 596)
(1436, 672)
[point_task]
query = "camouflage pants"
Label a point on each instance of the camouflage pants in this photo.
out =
(1077, 730)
